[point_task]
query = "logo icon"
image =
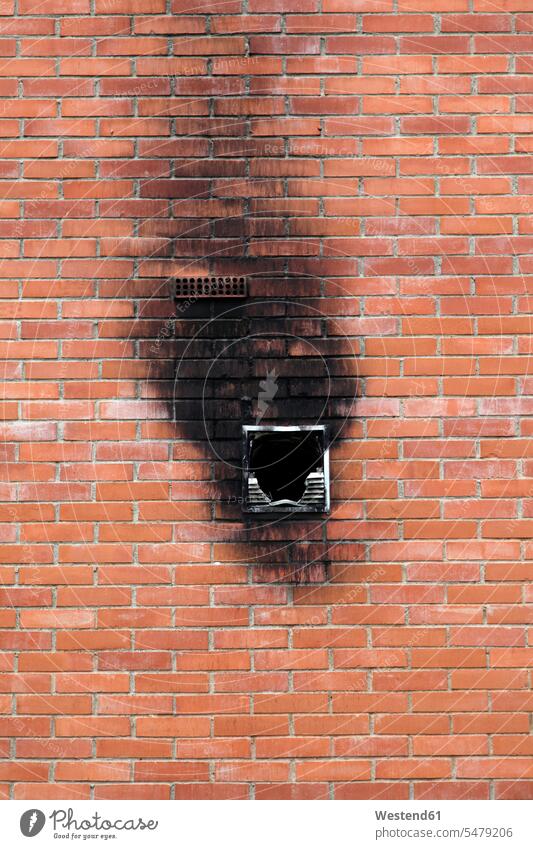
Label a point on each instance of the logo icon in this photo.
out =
(268, 389)
(32, 822)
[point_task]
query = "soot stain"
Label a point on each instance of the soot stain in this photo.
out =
(208, 359)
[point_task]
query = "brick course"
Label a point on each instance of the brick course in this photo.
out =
(367, 165)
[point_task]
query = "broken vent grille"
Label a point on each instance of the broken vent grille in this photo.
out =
(314, 494)
(285, 469)
(210, 287)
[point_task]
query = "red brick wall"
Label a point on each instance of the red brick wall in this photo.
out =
(368, 165)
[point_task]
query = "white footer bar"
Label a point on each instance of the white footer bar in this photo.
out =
(267, 825)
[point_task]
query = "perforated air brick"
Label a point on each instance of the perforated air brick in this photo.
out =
(209, 287)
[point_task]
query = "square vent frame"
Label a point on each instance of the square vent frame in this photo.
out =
(315, 497)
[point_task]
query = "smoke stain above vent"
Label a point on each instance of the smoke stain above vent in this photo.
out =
(274, 362)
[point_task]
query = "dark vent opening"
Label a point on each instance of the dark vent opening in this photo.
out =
(282, 462)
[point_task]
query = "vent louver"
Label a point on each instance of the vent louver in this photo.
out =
(314, 493)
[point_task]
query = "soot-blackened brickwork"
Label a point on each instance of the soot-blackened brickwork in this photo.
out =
(265, 359)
